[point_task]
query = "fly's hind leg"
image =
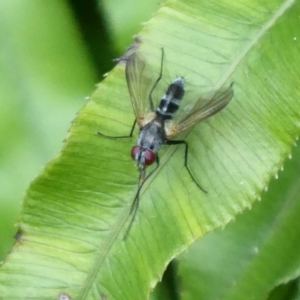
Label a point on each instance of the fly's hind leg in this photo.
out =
(180, 142)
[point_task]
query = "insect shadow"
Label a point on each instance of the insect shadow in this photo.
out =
(158, 125)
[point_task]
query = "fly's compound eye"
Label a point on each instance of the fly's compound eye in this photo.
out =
(148, 156)
(134, 152)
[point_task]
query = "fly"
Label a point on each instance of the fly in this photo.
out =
(159, 125)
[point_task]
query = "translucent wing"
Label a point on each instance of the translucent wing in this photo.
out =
(139, 81)
(203, 109)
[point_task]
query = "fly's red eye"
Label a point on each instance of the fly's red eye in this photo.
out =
(149, 157)
(134, 151)
(146, 157)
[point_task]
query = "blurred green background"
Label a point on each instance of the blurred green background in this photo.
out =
(52, 53)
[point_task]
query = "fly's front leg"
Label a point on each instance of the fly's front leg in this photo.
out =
(122, 136)
(136, 201)
(180, 142)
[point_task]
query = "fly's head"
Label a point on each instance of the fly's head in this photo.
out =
(149, 143)
(143, 156)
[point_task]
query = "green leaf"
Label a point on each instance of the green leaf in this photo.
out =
(75, 213)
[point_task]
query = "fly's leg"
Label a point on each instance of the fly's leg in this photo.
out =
(122, 136)
(136, 202)
(157, 81)
(180, 142)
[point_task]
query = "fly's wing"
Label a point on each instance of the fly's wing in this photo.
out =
(203, 109)
(139, 82)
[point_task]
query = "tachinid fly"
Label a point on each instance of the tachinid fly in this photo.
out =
(158, 125)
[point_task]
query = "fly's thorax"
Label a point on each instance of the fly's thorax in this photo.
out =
(153, 135)
(170, 102)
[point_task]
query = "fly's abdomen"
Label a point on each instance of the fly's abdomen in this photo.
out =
(171, 100)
